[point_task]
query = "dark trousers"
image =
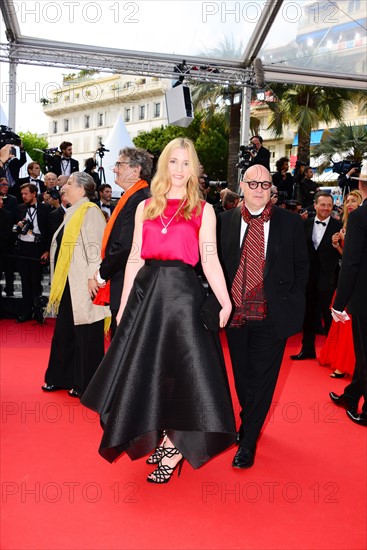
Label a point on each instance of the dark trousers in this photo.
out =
(316, 301)
(76, 350)
(358, 386)
(256, 354)
(30, 271)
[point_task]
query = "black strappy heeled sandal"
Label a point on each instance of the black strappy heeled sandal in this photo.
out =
(158, 454)
(164, 472)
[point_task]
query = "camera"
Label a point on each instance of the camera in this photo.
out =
(344, 166)
(27, 225)
(7, 136)
(245, 155)
(54, 192)
(102, 150)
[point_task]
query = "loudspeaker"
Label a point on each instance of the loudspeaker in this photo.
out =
(180, 111)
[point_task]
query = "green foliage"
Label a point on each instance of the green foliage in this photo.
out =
(348, 140)
(34, 141)
(210, 139)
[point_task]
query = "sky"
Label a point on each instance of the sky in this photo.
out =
(171, 26)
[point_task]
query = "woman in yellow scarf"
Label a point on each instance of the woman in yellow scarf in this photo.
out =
(78, 341)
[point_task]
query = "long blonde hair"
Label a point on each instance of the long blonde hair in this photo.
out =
(354, 193)
(161, 182)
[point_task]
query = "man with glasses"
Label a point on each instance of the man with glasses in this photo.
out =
(264, 256)
(131, 171)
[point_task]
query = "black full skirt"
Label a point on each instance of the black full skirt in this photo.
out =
(163, 371)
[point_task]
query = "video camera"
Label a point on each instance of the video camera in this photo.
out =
(245, 155)
(102, 150)
(7, 136)
(344, 166)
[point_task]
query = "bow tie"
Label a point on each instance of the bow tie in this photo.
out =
(322, 223)
(106, 206)
(32, 180)
(31, 206)
(64, 158)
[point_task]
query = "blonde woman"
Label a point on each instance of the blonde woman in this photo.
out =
(164, 370)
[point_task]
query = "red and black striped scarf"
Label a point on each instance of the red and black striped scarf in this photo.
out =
(248, 284)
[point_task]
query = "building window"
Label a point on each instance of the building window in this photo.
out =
(54, 127)
(86, 122)
(127, 115)
(100, 119)
(66, 124)
(142, 112)
(157, 110)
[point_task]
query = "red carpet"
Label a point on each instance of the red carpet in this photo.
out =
(307, 489)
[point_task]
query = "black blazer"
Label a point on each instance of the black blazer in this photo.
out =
(286, 265)
(119, 245)
(262, 157)
(54, 165)
(11, 205)
(55, 219)
(352, 285)
(324, 260)
(42, 220)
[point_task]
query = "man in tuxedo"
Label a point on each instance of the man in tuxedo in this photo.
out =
(261, 155)
(352, 292)
(264, 256)
(104, 202)
(64, 164)
(32, 248)
(34, 171)
(321, 284)
(6, 235)
(131, 171)
(10, 204)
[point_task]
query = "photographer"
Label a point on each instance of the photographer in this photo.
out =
(62, 164)
(31, 228)
(52, 195)
(11, 162)
(259, 154)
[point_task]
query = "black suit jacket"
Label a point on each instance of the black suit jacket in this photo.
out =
(352, 285)
(42, 220)
(11, 205)
(119, 245)
(55, 219)
(324, 260)
(54, 165)
(262, 157)
(286, 265)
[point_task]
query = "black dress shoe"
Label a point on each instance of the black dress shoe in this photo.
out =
(24, 318)
(301, 356)
(342, 401)
(244, 458)
(360, 419)
(74, 393)
(50, 387)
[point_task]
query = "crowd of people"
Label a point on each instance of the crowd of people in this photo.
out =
(270, 255)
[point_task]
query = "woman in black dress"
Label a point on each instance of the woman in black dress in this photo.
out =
(164, 371)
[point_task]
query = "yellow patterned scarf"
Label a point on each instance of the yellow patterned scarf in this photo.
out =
(68, 242)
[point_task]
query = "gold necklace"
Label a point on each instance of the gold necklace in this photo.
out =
(165, 226)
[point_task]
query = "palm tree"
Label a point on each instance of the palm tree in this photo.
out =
(306, 107)
(214, 98)
(348, 140)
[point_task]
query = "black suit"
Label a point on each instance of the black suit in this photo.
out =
(16, 187)
(352, 292)
(100, 204)
(54, 165)
(55, 219)
(257, 347)
(118, 249)
(14, 167)
(321, 282)
(29, 254)
(308, 189)
(262, 157)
